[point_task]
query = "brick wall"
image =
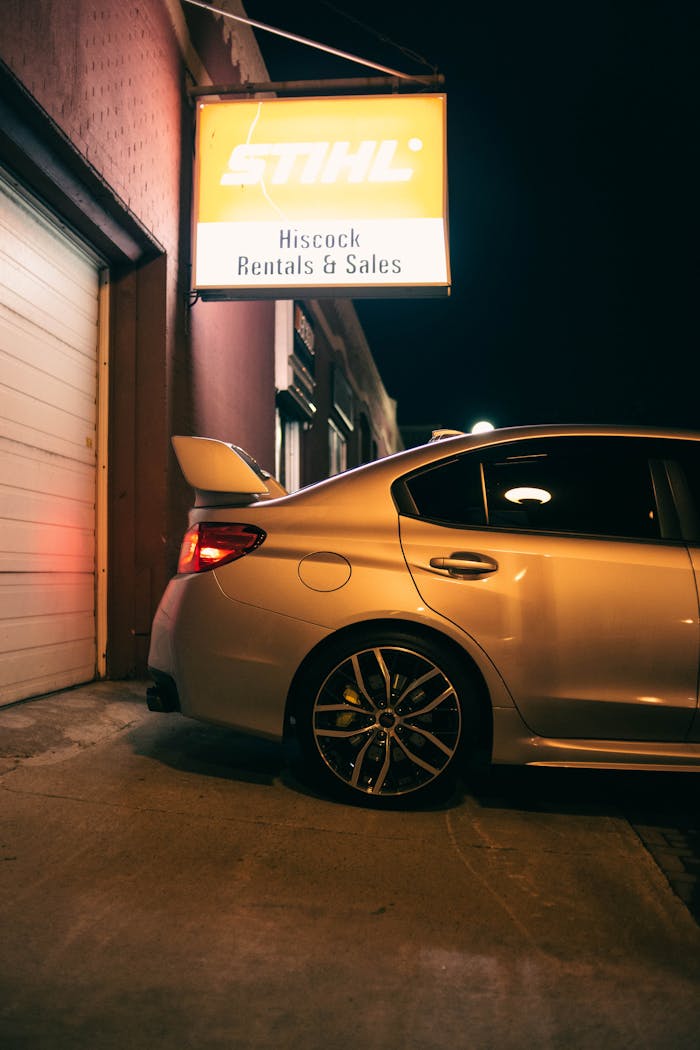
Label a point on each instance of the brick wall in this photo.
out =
(110, 74)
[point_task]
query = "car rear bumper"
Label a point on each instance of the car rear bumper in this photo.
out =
(222, 661)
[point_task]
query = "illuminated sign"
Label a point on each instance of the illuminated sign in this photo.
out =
(321, 196)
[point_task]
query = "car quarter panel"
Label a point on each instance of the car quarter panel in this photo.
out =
(365, 569)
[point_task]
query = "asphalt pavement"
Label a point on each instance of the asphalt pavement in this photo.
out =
(166, 885)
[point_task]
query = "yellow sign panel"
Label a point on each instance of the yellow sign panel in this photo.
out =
(322, 195)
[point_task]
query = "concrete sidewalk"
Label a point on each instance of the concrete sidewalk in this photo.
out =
(49, 728)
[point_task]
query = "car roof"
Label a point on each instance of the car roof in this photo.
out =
(407, 460)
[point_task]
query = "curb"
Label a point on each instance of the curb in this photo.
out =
(675, 846)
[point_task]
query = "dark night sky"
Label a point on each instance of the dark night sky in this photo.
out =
(573, 175)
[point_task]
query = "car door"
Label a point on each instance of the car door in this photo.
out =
(683, 469)
(553, 557)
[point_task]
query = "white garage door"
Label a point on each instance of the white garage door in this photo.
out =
(49, 313)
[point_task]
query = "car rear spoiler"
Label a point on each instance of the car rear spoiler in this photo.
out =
(223, 474)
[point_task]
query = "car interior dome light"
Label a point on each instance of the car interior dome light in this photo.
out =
(521, 495)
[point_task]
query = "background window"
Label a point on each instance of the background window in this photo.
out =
(337, 449)
(288, 466)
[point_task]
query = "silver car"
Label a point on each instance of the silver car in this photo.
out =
(523, 596)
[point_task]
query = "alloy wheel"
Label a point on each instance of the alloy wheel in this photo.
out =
(386, 721)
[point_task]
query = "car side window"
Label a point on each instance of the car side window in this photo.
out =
(450, 493)
(594, 486)
(684, 456)
(590, 485)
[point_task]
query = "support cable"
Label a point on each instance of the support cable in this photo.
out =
(412, 55)
(303, 40)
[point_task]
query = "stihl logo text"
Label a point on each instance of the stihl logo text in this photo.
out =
(316, 162)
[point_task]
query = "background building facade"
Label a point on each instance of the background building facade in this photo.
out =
(104, 351)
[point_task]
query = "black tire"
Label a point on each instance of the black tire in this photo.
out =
(383, 716)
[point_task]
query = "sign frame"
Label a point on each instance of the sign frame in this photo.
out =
(321, 197)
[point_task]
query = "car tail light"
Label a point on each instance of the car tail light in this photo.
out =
(208, 545)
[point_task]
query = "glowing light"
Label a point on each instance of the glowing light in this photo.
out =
(525, 494)
(210, 554)
(482, 427)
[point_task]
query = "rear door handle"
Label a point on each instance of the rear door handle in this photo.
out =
(465, 563)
